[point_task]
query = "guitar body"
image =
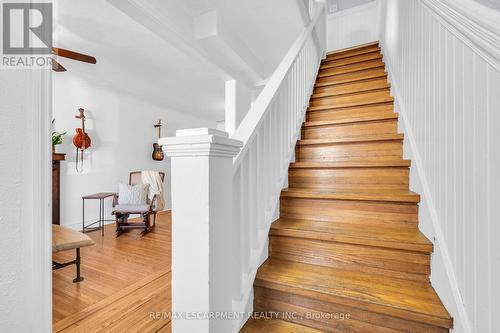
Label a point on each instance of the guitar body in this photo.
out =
(81, 140)
(157, 152)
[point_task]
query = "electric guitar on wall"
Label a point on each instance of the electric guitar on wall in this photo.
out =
(157, 151)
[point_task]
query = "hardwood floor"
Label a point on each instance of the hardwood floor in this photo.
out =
(126, 279)
(346, 254)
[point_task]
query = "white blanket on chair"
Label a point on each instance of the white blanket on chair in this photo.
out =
(153, 178)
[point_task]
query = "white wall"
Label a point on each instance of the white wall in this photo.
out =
(447, 91)
(354, 26)
(122, 133)
(25, 247)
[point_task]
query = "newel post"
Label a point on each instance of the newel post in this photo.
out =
(202, 168)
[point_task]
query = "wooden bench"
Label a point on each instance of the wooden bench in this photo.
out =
(64, 239)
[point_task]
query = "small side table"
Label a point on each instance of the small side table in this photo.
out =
(100, 222)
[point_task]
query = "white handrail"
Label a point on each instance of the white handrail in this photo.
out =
(269, 133)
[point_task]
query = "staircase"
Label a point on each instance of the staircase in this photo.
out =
(346, 254)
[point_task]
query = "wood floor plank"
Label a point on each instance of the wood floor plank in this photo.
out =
(125, 277)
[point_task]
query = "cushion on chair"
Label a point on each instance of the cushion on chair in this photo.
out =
(133, 194)
(131, 209)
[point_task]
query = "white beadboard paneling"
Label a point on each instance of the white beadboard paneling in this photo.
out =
(354, 26)
(494, 194)
(447, 92)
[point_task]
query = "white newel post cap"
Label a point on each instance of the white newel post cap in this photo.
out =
(200, 142)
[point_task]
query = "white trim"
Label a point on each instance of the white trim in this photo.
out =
(475, 25)
(436, 224)
(40, 95)
(192, 142)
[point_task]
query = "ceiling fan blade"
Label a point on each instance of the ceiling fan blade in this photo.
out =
(73, 55)
(57, 67)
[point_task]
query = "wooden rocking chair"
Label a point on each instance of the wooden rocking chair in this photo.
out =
(123, 212)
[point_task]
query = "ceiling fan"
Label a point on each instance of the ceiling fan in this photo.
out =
(57, 67)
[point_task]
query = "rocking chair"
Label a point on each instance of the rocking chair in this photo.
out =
(123, 212)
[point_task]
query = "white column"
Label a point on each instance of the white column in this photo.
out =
(237, 103)
(202, 168)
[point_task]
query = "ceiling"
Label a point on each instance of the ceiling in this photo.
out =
(267, 27)
(162, 63)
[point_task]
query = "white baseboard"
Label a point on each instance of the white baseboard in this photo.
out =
(443, 276)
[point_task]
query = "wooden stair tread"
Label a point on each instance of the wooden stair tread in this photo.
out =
(352, 88)
(350, 164)
(362, 75)
(362, 94)
(409, 300)
(361, 234)
(356, 67)
(372, 111)
(275, 326)
(351, 100)
(378, 137)
(351, 60)
(366, 74)
(375, 117)
(385, 196)
(353, 51)
(348, 108)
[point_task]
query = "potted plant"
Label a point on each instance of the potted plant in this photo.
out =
(57, 139)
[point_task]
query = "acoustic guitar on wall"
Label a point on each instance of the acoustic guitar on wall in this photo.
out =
(157, 151)
(81, 140)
